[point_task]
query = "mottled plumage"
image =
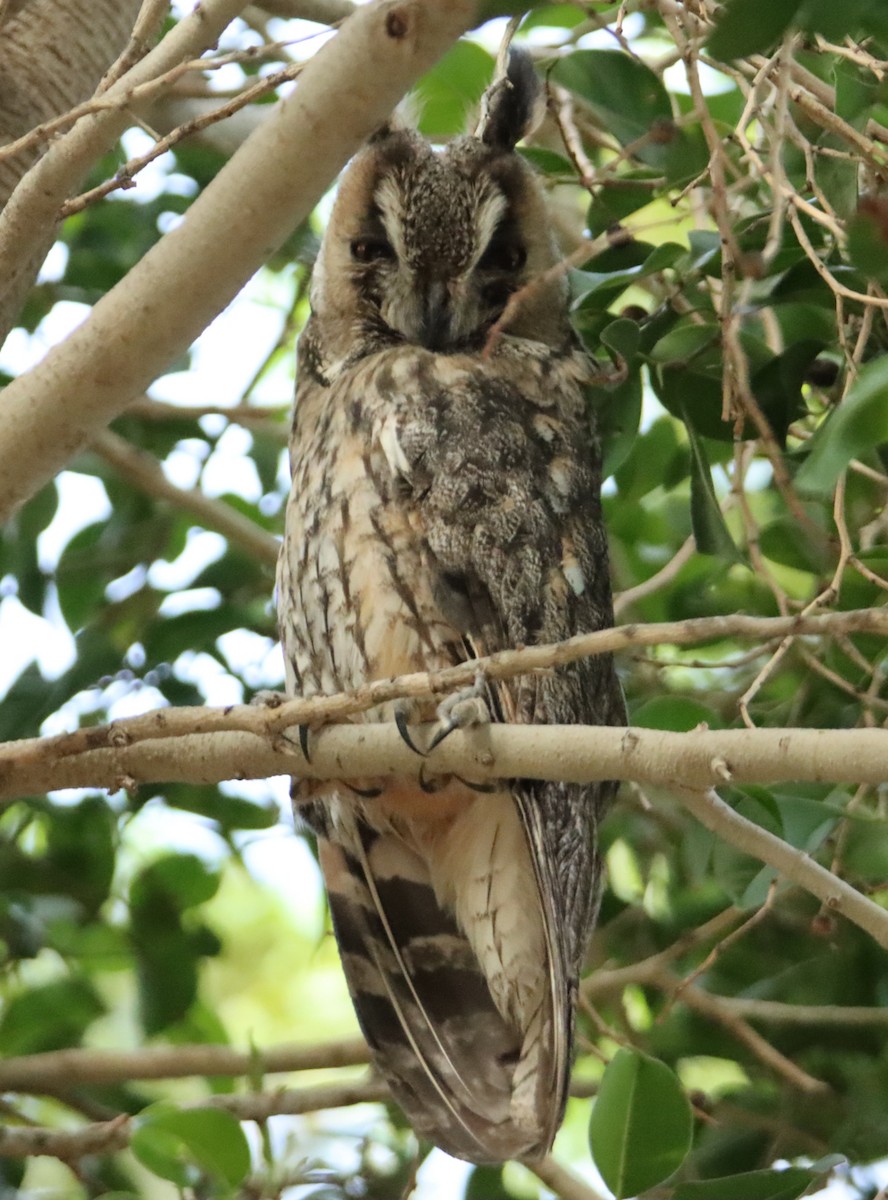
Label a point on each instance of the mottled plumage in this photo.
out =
(445, 504)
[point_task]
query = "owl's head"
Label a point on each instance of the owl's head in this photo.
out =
(425, 247)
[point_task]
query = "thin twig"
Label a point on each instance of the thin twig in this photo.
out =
(140, 468)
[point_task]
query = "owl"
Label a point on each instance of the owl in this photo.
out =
(445, 505)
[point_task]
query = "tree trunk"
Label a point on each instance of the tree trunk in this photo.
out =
(53, 53)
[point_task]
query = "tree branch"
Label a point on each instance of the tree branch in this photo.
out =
(269, 186)
(145, 472)
(32, 211)
(572, 753)
(78, 1067)
(107, 1137)
(561, 1181)
(719, 818)
(263, 721)
(210, 745)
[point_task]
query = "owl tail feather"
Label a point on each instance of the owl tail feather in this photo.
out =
(456, 1066)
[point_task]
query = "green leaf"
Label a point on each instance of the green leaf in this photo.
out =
(18, 547)
(652, 462)
(184, 879)
(179, 1144)
(676, 713)
(79, 858)
(617, 199)
(868, 239)
(488, 10)
(640, 1131)
(755, 1185)
(859, 424)
(452, 87)
(787, 542)
(232, 812)
(486, 1183)
(80, 583)
(547, 162)
(619, 416)
(50, 1017)
(710, 531)
(750, 27)
(564, 16)
(168, 950)
(835, 21)
(626, 96)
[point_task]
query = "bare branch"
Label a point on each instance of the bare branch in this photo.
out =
(561, 1181)
(836, 895)
(75, 1068)
(145, 472)
(173, 293)
(107, 1137)
(263, 721)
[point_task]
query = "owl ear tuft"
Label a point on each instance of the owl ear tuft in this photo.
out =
(513, 105)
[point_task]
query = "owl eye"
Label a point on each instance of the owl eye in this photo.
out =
(507, 256)
(365, 250)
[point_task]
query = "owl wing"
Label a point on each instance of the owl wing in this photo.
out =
(506, 466)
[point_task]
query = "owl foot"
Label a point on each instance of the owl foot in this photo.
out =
(269, 698)
(465, 707)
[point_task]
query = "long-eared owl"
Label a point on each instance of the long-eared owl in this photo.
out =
(445, 505)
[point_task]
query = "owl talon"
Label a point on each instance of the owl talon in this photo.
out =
(303, 742)
(430, 786)
(404, 730)
(479, 787)
(364, 793)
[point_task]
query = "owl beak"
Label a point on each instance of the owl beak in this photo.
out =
(436, 328)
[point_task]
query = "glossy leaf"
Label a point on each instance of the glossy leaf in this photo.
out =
(453, 87)
(640, 1130)
(626, 96)
(750, 27)
(49, 1017)
(182, 1144)
(853, 429)
(756, 1185)
(710, 530)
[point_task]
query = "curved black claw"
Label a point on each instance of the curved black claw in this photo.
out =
(478, 787)
(443, 732)
(404, 730)
(430, 786)
(365, 793)
(303, 742)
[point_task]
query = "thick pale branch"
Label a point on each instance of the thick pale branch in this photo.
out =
(561, 1181)
(269, 186)
(573, 753)
(178, 722)
(684, 763)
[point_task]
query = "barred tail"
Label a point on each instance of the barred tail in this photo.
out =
(471, 1078)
